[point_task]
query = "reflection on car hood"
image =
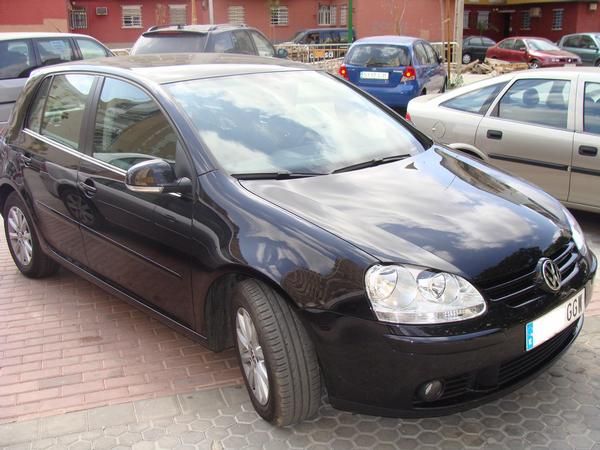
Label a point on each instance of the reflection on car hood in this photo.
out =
(437, 209)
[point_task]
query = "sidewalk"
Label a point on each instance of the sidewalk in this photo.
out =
(559, 410)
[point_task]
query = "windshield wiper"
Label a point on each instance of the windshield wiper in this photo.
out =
(371, 163)
(281, 175)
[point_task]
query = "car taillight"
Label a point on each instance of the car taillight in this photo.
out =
(407, 117)
(343, 72)
(409, 74)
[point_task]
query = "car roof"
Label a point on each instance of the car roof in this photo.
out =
(390, 39)
(323, 29)
(174, 67)
(197, 28)
(37, 34)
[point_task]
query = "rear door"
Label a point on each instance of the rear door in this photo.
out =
(438, 72)
(588, 50)
(529, 132)
(585, 173)
(503, 50)
(17, 59)
(51, 155)
(137, 241)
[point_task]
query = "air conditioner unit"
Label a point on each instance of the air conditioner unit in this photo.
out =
(101, 11)
(593, 6)
(535, 12)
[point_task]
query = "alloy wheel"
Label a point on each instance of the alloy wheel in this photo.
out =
(19, 236)
(252, 356)
(466, 59)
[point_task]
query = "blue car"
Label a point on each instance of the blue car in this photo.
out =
(395, 69)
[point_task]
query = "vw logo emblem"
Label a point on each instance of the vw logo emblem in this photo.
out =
(549, 275)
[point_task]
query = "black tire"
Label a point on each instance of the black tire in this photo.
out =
(39, 265)
(597, 63)
(534, 64)
(467, 58)
(289, 356)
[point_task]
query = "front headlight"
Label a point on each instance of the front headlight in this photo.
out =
(407, 294)
(576, 232)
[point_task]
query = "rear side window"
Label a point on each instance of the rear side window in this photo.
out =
(243, 44)
(477, 102)
(379, 55)
(421, 54)
(508, 44)
(54, 51)
(432, 56)
(90, 49)
(16, 59)
(262, 44)
(34, 121)
(487, 41)
(571, 41)
(537, 101)
(591, 108)
(169, 42)
(65, 107)
(130, 127)
(222, 43)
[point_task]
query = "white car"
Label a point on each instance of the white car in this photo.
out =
(542, 125)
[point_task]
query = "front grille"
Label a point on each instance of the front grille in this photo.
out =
(521, 289)
(469, 386)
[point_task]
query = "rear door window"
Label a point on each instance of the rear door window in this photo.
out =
(477, 102)
(431, 54)
(54, 51)
(378, 55)
(65, 108)
(421, 54)
(507, 44)
(222, 43)
(34, 121)
(537, 101)
(591, 108)
(16, 59)
(90, 49)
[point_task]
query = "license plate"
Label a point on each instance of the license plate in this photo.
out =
(552, 323)
(374, 75)
(570, 65)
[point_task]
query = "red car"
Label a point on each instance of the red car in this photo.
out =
(537, 52)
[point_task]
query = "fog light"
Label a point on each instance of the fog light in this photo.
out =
(431, 391)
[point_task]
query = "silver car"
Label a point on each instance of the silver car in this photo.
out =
(543, 125)
(20, 53)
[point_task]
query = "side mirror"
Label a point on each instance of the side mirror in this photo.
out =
(282, 53)
(155, 176)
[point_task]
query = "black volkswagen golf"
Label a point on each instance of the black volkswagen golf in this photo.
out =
(258, 204)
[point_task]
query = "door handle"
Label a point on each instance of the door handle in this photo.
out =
(88, 187)
(494, 134)
(586, 150)
(25, 160)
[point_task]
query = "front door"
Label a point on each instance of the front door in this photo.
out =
(585, 173)
(137, 241)
(53, 142)
(530, 133)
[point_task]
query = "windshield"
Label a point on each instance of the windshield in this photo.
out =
(539, 44)
(300, 121)
(168, 42)
(378, 55)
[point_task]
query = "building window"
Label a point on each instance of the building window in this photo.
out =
(236, 15)
(525, 20)
(131, 16)
(327, 15)
(466, 17)
(557, 19)
(344, 15)
(78, 19)
(279, 16)
(178, 14)
(483, 20)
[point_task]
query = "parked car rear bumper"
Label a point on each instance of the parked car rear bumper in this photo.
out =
(396, 97)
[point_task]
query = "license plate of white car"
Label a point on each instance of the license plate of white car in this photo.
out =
(374, 75)
(550, 324)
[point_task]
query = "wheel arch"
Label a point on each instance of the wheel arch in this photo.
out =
(217, 304)
(469, 150)
(5, 190)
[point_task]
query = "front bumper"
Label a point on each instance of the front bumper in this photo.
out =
(377, 368)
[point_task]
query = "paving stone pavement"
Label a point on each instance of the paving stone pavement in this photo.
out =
(558, 410)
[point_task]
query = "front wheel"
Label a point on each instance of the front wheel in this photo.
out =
(23, 242)
(597, 63)
(534, 64)
(466, 59)
(278, 360)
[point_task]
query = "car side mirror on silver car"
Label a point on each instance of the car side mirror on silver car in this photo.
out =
(282, 53)
(155, 176)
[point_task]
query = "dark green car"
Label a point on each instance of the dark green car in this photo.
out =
(585, 45)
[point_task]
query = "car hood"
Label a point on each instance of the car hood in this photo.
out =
(438, 209)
